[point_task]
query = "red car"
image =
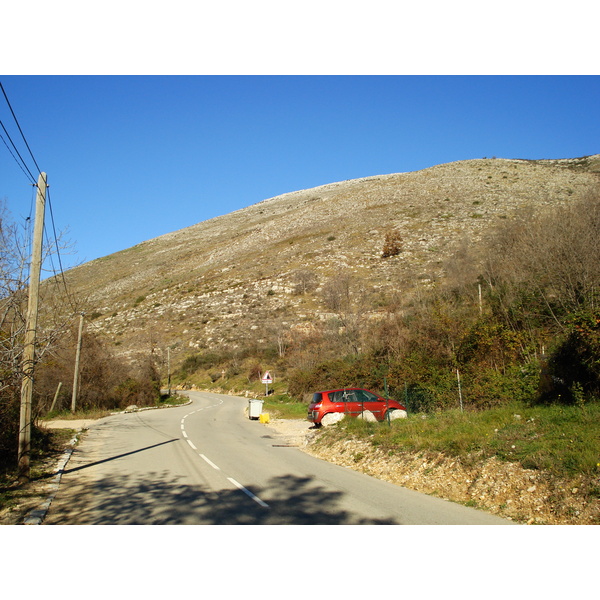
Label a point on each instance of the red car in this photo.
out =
(351, 402)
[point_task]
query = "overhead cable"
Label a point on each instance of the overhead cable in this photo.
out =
(61, 269)
(33, 179)
(22, 164)
(20, 130)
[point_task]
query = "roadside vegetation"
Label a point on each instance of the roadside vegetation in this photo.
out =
(283, 407)
(562, 440)
(16, 498)
(513, 330)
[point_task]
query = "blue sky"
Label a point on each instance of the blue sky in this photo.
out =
(130, 158)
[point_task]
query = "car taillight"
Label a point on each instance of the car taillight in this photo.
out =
(316, 406)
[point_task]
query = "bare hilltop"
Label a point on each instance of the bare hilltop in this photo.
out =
(237, 277)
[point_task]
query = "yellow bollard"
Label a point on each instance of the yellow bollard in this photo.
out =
(264, 418)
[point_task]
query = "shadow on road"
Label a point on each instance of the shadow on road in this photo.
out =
(99, 462)
(164, 500)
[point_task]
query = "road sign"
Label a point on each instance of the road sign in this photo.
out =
(266, 378)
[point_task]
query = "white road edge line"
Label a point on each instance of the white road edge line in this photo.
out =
(248, 492)
(192, 445)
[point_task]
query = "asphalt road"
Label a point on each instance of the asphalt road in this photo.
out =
(207, 463)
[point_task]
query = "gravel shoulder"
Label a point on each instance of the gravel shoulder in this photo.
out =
(294, 432)
(77, 425)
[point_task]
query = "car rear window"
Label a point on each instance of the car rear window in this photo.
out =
(317, 397)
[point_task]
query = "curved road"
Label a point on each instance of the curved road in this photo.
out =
(207, 463)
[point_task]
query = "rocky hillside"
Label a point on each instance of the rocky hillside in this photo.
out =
(233, 277)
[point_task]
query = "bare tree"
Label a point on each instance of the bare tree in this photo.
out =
(551, 257)
(308, 348)
(336, 293)
(344, 296)
(305, 281)
(14, 268)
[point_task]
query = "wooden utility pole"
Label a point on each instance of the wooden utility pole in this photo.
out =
(459, 390)
(56, 396)
(169, 371)
(30, 332)
(77, 357)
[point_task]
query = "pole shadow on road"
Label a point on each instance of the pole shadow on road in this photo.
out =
(99, 462)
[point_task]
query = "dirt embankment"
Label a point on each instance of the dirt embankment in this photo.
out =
(501, 488)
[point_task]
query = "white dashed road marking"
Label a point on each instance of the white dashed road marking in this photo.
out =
(210, 462)
(248, 492)
(217, 468)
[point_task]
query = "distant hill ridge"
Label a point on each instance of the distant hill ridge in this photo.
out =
(233, 277)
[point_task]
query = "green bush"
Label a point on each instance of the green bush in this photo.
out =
(195, 362)
(485, 388)
(10, 417)
(571, 374)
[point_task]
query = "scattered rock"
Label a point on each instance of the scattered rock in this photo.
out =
(331, 418)
(397, 414)
(368, 416)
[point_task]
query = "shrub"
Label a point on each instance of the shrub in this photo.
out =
(195, 362)
(572, 372)
(254, 372)
(9, 416)
(392, 245)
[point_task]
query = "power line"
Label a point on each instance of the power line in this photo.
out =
(20, 130)
(22, 163)
(62, 271)
(48, 202)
